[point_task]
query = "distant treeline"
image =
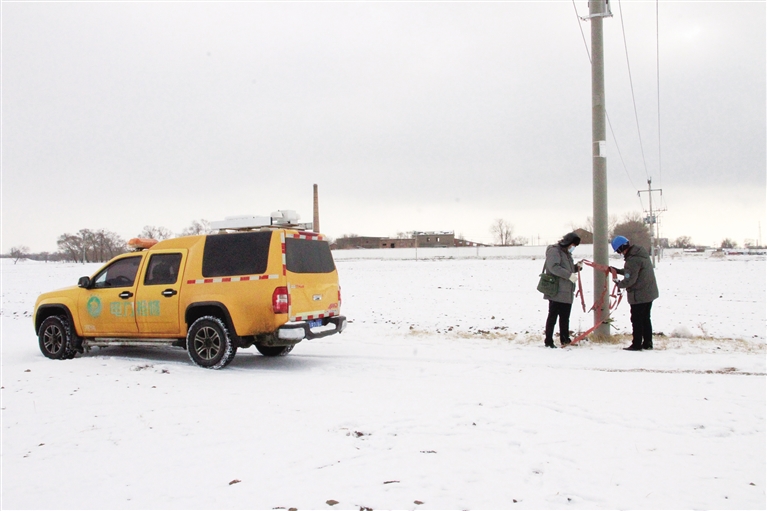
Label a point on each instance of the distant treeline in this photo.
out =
(97, 246)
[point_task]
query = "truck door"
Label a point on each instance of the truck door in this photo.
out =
(107, 307)
(312, 278)
(158, 292)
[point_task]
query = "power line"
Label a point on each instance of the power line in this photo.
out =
(657, 74)
(654, 213)
(631, 83)
(578, 18)
(612, 132)
(620, 155)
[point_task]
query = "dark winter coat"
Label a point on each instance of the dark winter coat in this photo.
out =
(639, 281)
(560, 263)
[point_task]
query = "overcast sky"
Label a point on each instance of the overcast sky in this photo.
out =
(409, 116)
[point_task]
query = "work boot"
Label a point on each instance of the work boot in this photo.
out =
(633, 348)
(647, 346)
(549, 344)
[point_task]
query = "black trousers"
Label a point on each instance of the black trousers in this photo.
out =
(561, 311)
(641, 325)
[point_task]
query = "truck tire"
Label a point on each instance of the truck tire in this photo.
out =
(56, 339)
(209, 344)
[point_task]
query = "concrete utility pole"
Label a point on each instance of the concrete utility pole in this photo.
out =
(652, 219)
(599, 9)
(316, 219)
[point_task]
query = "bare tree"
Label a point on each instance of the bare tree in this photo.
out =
(729, 243)
(634, 228)
(110, 244)
(90, 246)
(99, 245)
(89, 243)
(201, 226)
(71, 245)
(683, 242)
(502, 232)
(19, 252)
(155, 233)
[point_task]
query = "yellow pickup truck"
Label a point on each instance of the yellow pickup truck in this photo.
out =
(211, 294)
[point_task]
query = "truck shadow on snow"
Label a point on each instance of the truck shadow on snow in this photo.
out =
(245, 359)
(248, 359)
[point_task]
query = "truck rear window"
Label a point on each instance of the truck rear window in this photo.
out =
(227, 255)
(308, 256)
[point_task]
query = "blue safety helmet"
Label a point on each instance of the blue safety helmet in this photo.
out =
(618, 242)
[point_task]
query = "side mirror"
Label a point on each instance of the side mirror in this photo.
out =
(84, 282)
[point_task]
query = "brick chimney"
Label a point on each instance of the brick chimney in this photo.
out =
(316, 222)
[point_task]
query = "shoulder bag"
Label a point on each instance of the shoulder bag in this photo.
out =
(548, 284)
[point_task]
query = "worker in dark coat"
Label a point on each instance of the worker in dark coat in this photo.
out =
(559, 262)
(641, 289)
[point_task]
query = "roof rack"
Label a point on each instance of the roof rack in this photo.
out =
(277, 220)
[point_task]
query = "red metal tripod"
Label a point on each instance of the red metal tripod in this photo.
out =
(615, 297)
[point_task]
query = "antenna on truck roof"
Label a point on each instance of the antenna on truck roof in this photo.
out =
(277, 219)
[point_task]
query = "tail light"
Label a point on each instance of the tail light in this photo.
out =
(339, 297)
(280, 300)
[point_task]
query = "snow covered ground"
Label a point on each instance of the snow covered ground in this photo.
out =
(438, 396)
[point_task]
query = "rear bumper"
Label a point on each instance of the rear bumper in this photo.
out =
(300, 330)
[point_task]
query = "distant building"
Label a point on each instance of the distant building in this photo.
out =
(458, 242)
(419, 240)
(435, 239)
(397, 242)
(357, 242)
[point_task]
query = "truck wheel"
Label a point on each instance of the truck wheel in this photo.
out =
(209, 344)
(273, 351)
(56, 339)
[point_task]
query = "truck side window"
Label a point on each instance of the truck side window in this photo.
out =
(236, 254)
(162, 269)
(121, 273)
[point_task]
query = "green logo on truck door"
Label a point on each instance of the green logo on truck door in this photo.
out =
(94, 306)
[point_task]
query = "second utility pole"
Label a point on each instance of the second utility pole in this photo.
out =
(652, 220)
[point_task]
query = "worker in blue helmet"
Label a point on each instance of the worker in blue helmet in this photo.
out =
(641, 289)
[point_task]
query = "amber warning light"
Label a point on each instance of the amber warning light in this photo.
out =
(141, 243)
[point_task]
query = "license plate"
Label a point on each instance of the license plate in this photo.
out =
(314, 323)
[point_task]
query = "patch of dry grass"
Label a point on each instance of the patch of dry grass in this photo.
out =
(660, 341)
